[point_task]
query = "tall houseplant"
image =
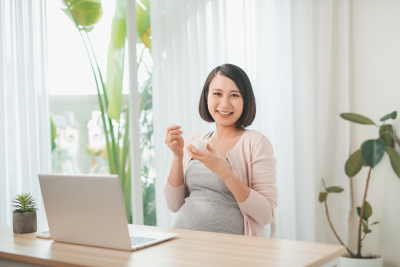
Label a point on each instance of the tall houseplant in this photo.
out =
(85, 14)
(368, 155)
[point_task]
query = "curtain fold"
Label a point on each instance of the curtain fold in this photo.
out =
(296, 57)
(320, 47)
(24, 117)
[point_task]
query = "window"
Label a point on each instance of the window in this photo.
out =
(78, 138)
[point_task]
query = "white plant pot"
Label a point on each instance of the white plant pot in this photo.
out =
(351, 262)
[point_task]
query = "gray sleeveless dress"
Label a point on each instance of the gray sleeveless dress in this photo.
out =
(210, 207)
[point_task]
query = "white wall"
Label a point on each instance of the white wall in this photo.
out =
(375, 92)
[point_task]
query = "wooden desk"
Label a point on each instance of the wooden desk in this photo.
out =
(190, 248)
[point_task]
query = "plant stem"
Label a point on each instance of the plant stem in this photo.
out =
(140, 60)
(98, 69)
(362, 214)
(115, 146)
(109, 151)
(365, 234)
(333, 229)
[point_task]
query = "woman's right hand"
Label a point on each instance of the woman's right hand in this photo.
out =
(174, 140)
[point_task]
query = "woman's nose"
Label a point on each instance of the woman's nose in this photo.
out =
(225, 103)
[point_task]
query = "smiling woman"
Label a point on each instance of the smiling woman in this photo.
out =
(231, 187)
(228, 85)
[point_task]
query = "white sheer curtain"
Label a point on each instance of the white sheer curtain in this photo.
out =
(320, 57)
(296, 55)
(24, 118)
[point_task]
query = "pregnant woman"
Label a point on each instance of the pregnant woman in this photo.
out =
(231, 187)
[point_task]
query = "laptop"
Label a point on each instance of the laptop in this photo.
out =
(90, 210)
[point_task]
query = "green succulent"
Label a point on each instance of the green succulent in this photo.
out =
(24, 203)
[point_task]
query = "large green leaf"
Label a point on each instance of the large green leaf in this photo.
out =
(322, 196)
(392, 115)
(367, 211)
(67, 12)
(367, 231)
(372, 151)
(115, 61)
(356, 118)
(394, 160)
(142, 16)
(83, 13)
(354, 164)
(334, 189)
(143, 22)
(384, 132)
(396, 138)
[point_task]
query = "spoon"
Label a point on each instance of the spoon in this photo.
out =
(195, 132)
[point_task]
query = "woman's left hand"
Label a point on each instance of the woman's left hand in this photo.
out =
(211, 159)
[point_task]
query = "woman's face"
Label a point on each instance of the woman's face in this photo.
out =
(224, 97)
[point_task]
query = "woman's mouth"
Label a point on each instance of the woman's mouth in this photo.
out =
(224, 114)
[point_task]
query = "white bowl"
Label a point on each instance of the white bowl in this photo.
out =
(199, 144)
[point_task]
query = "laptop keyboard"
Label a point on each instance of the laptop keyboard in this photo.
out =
(136, 240)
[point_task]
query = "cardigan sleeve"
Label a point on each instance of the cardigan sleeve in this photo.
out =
(263, 198)
(175, 196)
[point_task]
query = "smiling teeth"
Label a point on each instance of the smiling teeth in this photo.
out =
(224, 113)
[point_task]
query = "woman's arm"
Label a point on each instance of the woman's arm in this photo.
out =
(175, 177)
(239, 189)
(262, 197)
(174, 188)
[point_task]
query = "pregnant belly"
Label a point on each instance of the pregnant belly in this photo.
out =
(202, 214)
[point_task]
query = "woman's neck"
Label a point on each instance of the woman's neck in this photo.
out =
(224, 133)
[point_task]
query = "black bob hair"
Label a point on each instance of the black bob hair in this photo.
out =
(240, 78)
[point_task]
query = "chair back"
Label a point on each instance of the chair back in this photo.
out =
(273, 229)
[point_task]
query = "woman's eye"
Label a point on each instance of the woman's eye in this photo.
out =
(231, 95)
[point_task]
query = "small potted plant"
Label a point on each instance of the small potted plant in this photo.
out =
(369, 155)
(24, 217)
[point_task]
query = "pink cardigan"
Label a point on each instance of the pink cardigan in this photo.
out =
(252, 161)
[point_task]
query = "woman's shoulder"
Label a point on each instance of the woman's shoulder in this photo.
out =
(254, 136)
(256, 139)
